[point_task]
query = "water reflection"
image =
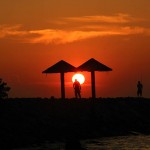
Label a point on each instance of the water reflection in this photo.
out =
(140, 142)
(119, 143)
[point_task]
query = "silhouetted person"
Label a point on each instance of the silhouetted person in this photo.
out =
(77, 88)
(139, 88)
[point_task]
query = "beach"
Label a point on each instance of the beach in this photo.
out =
(29, 121)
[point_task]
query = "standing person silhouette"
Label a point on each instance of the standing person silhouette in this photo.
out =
(139, 88)
(77, 88)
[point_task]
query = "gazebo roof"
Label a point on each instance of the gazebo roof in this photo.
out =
(93, 65)
(60, 67)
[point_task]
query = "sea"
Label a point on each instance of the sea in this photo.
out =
(132, 142)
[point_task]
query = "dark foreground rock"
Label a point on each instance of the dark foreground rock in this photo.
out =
(31, 121)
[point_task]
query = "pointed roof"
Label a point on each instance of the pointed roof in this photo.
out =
(93, 65)
(60, 67)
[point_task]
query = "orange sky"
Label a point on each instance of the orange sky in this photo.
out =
(36, 34)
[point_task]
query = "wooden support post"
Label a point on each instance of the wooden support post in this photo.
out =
(93, 84)
(62, 85)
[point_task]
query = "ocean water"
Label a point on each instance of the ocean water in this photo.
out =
(140, 142)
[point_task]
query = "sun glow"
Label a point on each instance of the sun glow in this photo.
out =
(80, 77)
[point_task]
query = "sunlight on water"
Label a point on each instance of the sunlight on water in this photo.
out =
(140, 142)
(119, 143)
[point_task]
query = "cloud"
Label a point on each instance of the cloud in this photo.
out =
(14, 30)
(62, 37)
(85, 27)
(119, 18)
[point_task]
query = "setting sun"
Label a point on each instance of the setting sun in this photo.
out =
(80, 77)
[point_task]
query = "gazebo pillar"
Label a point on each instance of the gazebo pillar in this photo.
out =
(62, 85)
(61, 67)
(93, 84)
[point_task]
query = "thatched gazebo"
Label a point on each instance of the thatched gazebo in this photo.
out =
(61, 67)
(93, 65)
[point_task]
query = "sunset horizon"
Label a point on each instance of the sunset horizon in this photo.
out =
(36, 35)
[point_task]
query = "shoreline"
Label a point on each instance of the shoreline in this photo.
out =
(26, 121)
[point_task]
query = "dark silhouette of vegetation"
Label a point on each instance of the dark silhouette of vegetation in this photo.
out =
(4, 89)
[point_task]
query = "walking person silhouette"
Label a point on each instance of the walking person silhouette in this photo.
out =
(139, 89)
(77, 88)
